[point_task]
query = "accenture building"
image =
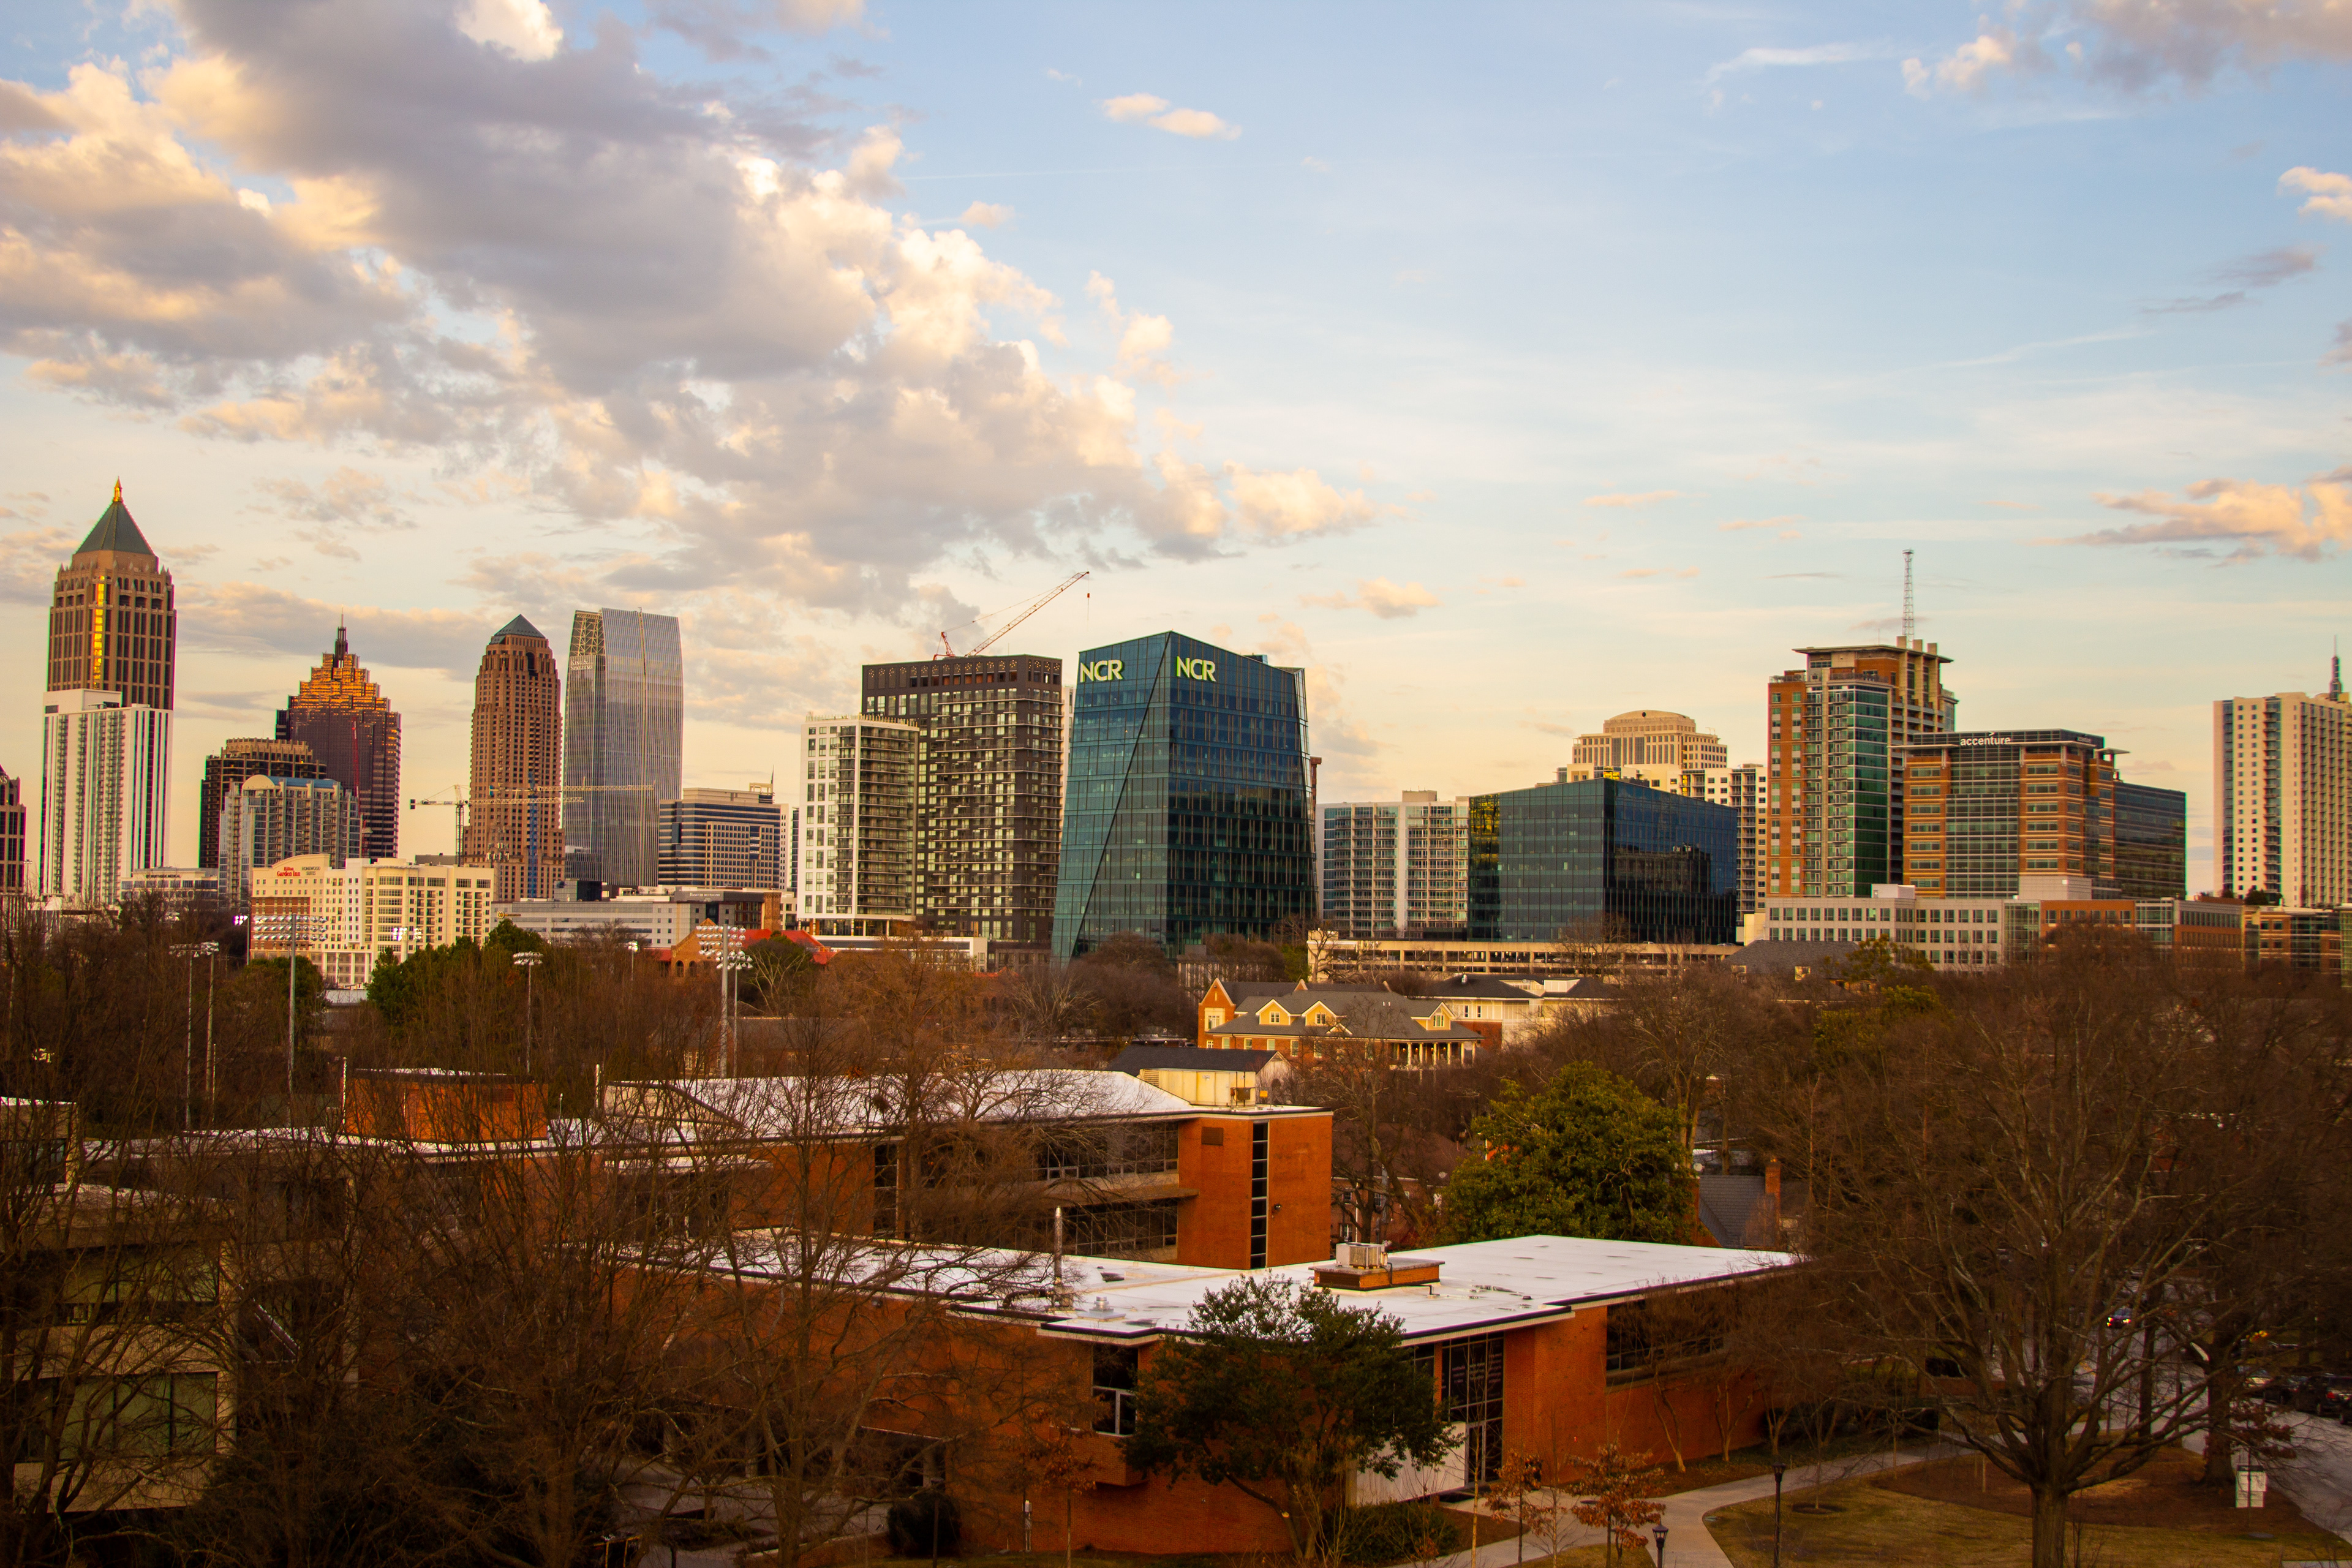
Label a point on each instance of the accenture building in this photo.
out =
(1188, 812)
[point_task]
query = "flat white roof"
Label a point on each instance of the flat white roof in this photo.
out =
(1482, 1286)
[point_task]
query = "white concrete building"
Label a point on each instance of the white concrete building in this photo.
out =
(105, 768)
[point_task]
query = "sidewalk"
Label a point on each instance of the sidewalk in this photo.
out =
(1689, 1544)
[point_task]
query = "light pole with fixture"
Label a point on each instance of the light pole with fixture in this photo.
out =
(290, 929)
(1779, 1469)
(1658, 1532)
(192, 952)
(528, 963)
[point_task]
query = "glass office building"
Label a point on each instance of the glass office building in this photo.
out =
(1603, 860)
(623, 734)
(1187, 812)
(2151, 859)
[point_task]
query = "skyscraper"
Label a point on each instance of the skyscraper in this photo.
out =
(513, 823)
(2282, 796)
(2151, 842)
(12, 838)
(1187, 813)
(225, 773)
(1603, 860)
(988, 788)
(113, 626)
(267, 820)
(102, 795)
(623, 734)
(106, 730)
(1834, 789)
(354, 735)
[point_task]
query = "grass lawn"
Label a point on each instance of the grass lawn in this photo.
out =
(1876, 1525)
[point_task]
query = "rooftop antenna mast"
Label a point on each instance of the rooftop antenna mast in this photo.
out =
(1909, 619)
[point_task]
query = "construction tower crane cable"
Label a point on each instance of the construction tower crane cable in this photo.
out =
(1034, 605)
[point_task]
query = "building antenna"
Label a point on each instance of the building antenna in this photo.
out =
(2336, 669)
(1909, 620)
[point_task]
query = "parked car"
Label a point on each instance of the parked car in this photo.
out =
(2301, 1390)
(2327, 1397)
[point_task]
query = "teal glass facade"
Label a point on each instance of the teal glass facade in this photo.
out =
(1187, 812)
(1603, 860)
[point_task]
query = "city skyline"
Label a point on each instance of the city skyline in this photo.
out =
(1574, 366)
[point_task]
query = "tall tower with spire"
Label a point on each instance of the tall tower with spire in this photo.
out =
(515, 815)
(349, 725)
(105, 720)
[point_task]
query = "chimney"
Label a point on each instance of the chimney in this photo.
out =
(1772, 1197)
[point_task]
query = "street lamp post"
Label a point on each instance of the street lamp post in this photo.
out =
(1659, 1531)
(292, 928)
(1779, 1469)
(730, 973)
(192, 952)
(528, 963)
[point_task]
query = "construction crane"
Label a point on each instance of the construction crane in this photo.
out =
(1034, 605)
(458, 800)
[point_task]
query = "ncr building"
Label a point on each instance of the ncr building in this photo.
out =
(1187, 813)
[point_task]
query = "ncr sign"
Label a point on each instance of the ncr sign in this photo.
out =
(1116, 670)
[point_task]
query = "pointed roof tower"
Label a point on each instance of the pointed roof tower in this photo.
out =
(517, 628)
(115, 533)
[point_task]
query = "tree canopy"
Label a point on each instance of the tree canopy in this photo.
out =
(1284, 1391)
(1587, 1154)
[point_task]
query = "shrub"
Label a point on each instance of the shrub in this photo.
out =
(925, 1523)
(1401, 1532)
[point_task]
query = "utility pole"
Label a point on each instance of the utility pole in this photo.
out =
(192, 952)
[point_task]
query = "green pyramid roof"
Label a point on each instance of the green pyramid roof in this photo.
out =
(115, 530)
(517, 628)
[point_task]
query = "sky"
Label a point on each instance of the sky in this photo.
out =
(1506, 366)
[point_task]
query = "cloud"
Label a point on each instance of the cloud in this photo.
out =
(2342, 353)
(1315, 164)
(2012, 505)
(1152, 110)
(2331, 194)
(986, 214)
(574, 280)
(2264, 269)
(1296, 503)
(524, 29)
(1970, 67)
(1812, 54)
(253, 618)
(1646, 498)
(1794, 576)
(28, 563)
(1660, 572)
(2307, 522)
(1737, 524)
(1053, 74)
(1336, 734)
(2137, 44)
(1381, 597)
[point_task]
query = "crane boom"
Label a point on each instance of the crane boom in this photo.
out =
(1035, 605)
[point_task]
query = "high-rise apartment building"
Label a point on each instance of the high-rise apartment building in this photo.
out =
(106, 729)
(988, 788)
(2151, 858)
(1398, 867)
(13, 838)
(102, 795)
(857, 824)
(226, 772)
(1187, 812)
(272, 819)
(2282, 796)
(1834, 795)
(348, 724)
(514, 824)
(1982, 810)
(1649, 744)
(722, 838)
(624, 736)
